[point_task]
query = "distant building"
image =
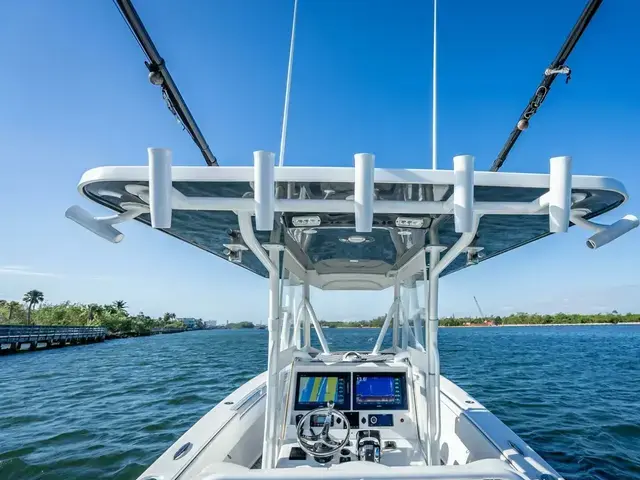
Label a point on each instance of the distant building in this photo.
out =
(210, 323)
(190, 323)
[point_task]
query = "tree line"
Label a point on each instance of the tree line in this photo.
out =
(522, 318)
(114, 316)
(513, 319)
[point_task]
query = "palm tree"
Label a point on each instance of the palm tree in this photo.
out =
(12, 308)
(93, 309)
(167, 317)
(120, 305)
(32, 297)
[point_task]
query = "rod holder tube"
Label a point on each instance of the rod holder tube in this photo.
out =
(264, 189)
(463, 193)
(613, 231)
(160, 187)
(100, 228)
(363, 191)
(559, 194)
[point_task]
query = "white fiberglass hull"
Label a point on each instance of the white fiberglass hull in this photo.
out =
(229, 439)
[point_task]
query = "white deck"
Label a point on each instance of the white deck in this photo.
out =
(474, 443)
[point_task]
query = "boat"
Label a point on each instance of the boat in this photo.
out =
(384, 412)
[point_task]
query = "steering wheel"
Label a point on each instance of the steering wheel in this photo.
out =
(322, 444)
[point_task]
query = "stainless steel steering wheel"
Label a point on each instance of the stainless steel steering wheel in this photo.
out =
(322, 444)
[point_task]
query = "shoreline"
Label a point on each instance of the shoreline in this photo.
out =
(595, 324)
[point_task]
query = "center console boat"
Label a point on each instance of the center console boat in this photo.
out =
(378, 413)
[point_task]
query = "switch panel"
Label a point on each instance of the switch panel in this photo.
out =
(381, 420)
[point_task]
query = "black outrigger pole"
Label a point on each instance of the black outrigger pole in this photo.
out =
(159, 75)
(556, 68)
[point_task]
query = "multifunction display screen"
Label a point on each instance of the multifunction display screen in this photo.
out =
(383, 391)
(317, 390)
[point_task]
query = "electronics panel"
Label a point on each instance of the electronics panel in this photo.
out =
(316, 389)
(369, 398)
(379, 391)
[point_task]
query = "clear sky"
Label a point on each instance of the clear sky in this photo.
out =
(75, 96)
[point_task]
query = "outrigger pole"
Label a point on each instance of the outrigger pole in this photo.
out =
(466, 220)
(556, 68)
(160, 76)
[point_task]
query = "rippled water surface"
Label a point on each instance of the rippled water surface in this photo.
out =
(108, 410)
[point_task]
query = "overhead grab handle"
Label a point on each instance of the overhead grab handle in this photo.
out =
(160, 187)
(559, 194)
(463, 193)
(363, 191)
(264, 189)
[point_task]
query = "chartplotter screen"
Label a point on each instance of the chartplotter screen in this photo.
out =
(317, 390)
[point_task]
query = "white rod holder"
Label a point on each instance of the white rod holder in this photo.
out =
(264, 189)
(363, 191)
(608, 234)
(160, 187)
(100, 227)
(559, 194)
(463, 193)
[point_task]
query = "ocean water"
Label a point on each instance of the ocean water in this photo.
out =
(108, 410)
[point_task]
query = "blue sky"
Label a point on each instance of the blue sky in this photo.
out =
(75, 96)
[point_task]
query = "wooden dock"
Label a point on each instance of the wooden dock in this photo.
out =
(22, 338)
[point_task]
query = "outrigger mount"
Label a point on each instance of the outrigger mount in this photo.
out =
(159, 75)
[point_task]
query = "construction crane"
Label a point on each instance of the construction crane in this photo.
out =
(479, 309)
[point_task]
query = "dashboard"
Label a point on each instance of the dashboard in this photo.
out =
(367, 398)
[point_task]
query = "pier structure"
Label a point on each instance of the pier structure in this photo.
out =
(21, 338)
